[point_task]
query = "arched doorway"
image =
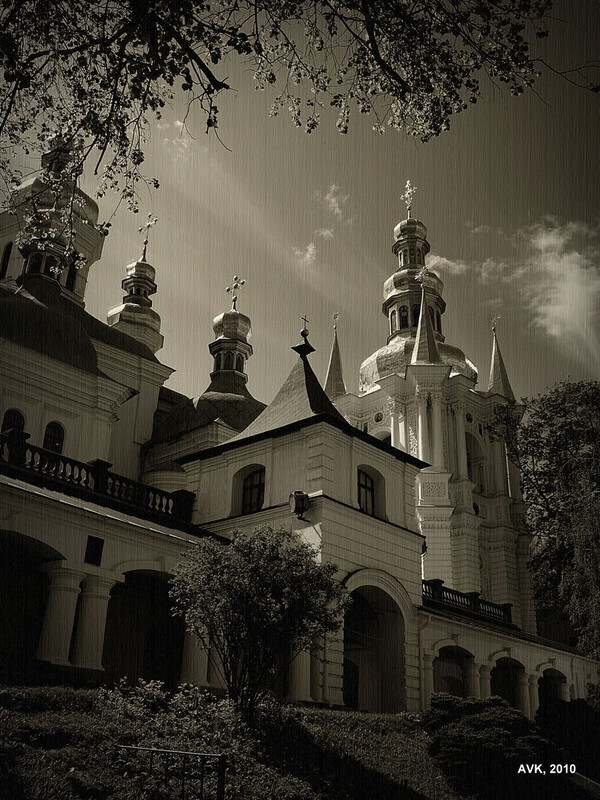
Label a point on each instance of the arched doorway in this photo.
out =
(374, 675)
(552, 686)
(23, 598)
(450, 671)
(143, 639)
(505, 678)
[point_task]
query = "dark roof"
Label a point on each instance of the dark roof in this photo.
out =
(226, 399)
(36, 322)
(300, 397)
(48, 292)
(300, 402)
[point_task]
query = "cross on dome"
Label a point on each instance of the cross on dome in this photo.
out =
(236, 284)
(407, 196)
(420, 276)
(494, 320)
(152, 220)
(336, 319)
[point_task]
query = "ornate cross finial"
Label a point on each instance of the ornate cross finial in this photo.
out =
(420, 276)
(494, 320)
(304, 320)
(236, 284)
(407, 196)
(145, 229)
(336, 319)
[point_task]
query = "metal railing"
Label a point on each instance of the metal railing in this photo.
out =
(92, 480)
(197, 775)
(436, 595)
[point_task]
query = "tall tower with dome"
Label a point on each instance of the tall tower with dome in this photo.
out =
(419, 393)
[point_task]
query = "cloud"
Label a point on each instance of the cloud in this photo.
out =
(325, 233)
(179, 143)
(334, 201)
(560, 276)
(556, 272)
(435, 262)
(306, 257)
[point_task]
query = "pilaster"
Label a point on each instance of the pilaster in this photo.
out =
(57, 629)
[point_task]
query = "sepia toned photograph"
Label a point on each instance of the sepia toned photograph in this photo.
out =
(299, 400)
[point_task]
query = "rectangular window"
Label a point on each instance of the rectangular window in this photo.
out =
(93, 550)
(366, 493)
(253, 492)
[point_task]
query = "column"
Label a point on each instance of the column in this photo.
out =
(523, 693)
(484, 681)
(461, 444)
(422, 427)
(194, 661)
(534, 695)
(57, 628)
(438, 434)
(91, 622)
(299, 687)
(394, 424)
(427, 680)
(472, 679)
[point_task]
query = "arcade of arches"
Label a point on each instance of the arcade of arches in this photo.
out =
(455, 671)
(54, 617)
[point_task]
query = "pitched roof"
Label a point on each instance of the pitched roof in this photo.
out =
(425, 350)
(499, 383)
(334, 382)
(300, 398)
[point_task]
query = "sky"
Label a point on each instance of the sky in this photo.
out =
(510, 198)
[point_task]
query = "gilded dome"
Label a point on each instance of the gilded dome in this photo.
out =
(395, 356)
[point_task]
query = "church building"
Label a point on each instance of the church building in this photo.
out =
(107, 476)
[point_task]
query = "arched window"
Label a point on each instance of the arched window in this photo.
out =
(432, 316)
(393, 321)
(228, 361)
(366, 493)
(403, 317)
(438, 318)
(50, 266)
(5, 259)
(253, 491)
(239, 362)
(71, 273)
(475, 463)
(13, 419)
(371, 491)
(54, 437)
(416, 310)
(34, 263)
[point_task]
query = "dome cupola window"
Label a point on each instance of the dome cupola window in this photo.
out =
(404, 317)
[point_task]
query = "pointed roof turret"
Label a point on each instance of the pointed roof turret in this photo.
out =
(425, 350)
(499, 383)
(135, 316)
(334, 382)
(300, 397)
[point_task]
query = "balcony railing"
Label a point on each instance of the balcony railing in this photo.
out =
(468, 604)
(91, 481)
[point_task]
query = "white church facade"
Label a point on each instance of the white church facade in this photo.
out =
(107, 476)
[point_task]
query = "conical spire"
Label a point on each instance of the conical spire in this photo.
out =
(334, 382)
(499, 383)
(425, 350)
(301, 397)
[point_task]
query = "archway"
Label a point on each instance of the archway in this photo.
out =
(505, 678)
(22, 603)
(450, 671)
(552, 686)
(374, 675)
(143, 639)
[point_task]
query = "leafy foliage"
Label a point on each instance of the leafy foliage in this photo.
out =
(557, 449)
(257, 603)
(480, 744)
(64, 748)
(97, 72)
